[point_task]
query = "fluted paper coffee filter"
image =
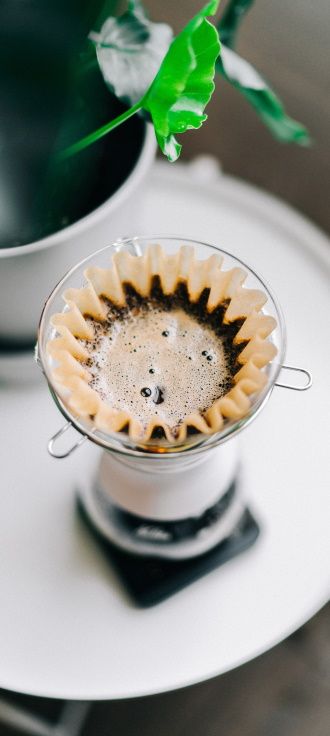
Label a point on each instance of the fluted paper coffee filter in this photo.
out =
(72, 335)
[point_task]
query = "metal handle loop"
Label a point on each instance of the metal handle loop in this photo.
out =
(292, 386)
(66, 453)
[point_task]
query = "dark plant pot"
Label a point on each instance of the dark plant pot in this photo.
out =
(89, 201)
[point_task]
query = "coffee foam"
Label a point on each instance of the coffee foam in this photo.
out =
(156, 363)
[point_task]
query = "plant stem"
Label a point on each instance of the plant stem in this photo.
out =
(99, 133)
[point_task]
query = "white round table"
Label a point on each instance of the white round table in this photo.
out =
(67, 630)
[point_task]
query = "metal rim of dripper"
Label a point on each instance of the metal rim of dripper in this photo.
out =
(124, 446)
(205, 444)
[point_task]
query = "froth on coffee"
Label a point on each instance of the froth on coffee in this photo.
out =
(159, 358)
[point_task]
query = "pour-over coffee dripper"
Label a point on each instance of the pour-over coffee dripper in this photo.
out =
(179, 502)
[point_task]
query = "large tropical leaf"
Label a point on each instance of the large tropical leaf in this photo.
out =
(130, 50)
(180, 91)
(184, 84)
(255, 89)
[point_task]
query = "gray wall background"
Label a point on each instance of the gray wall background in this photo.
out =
(288, 42)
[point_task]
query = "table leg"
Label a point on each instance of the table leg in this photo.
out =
(71, 721)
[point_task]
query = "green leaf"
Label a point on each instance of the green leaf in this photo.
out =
(184, 84)
(242, 75)
(180, 91)
(129, 51)
(231, 20)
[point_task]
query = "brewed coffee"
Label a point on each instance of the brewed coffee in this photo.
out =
(162, 356)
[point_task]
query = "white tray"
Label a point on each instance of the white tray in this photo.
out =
(66, 629)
